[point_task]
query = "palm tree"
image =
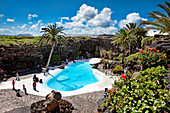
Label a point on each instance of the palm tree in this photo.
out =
(53, 35)
(122, 38)
(146, 41)
(131, 27)
(162, 21)
(140, 33)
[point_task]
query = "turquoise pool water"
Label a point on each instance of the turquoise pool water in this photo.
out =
(76, 76)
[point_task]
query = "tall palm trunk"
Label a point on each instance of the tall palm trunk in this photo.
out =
(51, 52)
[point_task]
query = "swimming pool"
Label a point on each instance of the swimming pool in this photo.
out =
(76, 76)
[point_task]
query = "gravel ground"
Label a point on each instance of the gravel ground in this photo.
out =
(10, 103)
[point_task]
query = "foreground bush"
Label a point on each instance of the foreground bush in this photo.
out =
(152, 58)
(145, 94)
(118, 69)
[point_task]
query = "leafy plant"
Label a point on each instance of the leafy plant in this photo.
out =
(96, 53)
(133, 57)
(152, 58)
(145, 94)
(116, 58)
(55, 58)
(167, 37)
(118, 68)
(79, 53)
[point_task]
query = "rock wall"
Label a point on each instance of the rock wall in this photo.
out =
(25, 57)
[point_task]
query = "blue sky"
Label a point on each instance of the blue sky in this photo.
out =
(76, 16)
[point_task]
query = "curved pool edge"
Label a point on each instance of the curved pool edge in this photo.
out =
(104, 82)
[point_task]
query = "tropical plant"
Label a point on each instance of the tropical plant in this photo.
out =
(131, 27)
(118, 69)
(109, 54)
(122, 38)
(116, 58)
(133, 57)
(79, 53)
(146, 41)
(53, 35)
(140, 33)
(55, 58)
(162, 20)
(146, 94)
(152, 58)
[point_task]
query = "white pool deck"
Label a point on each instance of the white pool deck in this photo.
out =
(105, 81)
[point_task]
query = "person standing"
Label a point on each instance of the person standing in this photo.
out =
(13, 84)
(17, 76)
(44, 71)
(25, 90)
(34, 85)
(105, 94)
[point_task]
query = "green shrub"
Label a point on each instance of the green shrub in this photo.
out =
(79, 53)
(133, 57)
(55, 58)
(152, 58)
(96, 53)
(167, 37)
(118, 68)
(116, 58)
(145, 94)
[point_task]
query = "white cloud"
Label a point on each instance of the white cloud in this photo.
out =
(13, 27)
(32, 16)
(39, 21)
(24, 26)
(115, 21)
(10, 20)
(103, 19)
(131, 18)
(35, 26)
(30, 22)
(1, 15)
(41, 24)
(4, 31)
(85, 13)
(64, 18)
(89, 21)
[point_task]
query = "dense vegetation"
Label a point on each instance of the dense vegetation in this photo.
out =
(145, 92)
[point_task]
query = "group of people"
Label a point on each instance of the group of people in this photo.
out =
(18, 90)
(35, 79)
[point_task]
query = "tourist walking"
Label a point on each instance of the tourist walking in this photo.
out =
(17, 76)
(13, 84)
(105, 94)
(25, 90)
(34, 78)
(44, 71)
(34, 85)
